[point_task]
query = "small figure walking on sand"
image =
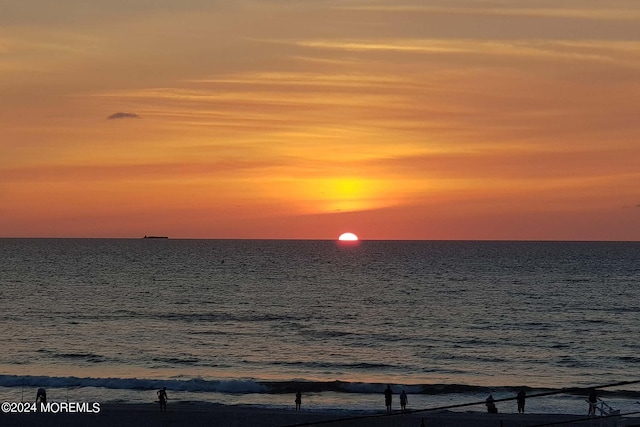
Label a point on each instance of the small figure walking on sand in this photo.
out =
(162, 398)
(521, 398)
(593, 401)
(41, 396)
(298, 400)
(403, 401)
(387, 398)
(491, 406)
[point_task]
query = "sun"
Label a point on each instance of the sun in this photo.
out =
(348, 237)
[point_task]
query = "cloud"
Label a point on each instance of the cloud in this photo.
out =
(578, 12)
(121, 115)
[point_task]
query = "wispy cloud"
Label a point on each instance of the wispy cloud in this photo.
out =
(141, 171)
(563, 50)
(121, 115)
(573, 13)
(353, 80)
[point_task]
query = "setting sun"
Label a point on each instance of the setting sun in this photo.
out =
(349, 237)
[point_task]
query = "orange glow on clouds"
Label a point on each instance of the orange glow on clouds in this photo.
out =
(402, 119)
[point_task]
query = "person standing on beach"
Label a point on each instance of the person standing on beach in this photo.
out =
(593, 401)
(387, 398)
(162, 398)
(403, 401)
(298, 400)
(491, 406)
(521, 398)
(41, 395)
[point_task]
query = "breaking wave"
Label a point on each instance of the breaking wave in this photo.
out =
(249, 386)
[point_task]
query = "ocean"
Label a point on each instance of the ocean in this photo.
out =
(252, 321)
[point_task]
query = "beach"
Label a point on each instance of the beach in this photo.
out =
(204, 414)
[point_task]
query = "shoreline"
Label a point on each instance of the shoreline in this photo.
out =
(196, 414)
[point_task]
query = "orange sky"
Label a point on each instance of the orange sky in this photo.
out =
(451, 119)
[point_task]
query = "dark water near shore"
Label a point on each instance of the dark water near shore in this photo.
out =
(252, 321)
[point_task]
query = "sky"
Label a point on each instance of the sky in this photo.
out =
(303, 119)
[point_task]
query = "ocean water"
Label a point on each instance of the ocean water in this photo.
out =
(252, 321)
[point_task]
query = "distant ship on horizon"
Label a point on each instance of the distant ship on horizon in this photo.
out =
(155, 237)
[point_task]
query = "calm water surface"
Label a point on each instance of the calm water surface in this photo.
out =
(235, 321)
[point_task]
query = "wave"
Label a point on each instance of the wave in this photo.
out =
(251, 386)
(194, 385)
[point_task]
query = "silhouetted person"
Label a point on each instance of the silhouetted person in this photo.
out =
(521, 398)
(387, 398)
(491, 406)
(593, 401)
(41, 396)
(298, 400)
(403, 401)
(422, 423)
(162, 398)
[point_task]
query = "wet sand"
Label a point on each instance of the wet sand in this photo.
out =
(202, 414)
